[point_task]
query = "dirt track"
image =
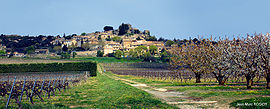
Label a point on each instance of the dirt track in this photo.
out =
(170, 97)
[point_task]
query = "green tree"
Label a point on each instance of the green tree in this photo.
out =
(65, 48)
(140, 50)
(108, 39)
(101, 43)
(169, 43)
(74, 54)
(83, 34)
(118, 54)
(108, 28)
(138, 38)
(117, 39)
(100, 53)
(161, 39)
(68, 37)
(57, 49)
(151, 38)
(30, 50)
(72, 46)
(147, 56)
(2, 52)
(164, 56)
(65, 55)
(99, 37)
(132, 53)
(153, 49)
(86, 46)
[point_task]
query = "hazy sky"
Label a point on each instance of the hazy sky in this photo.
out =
(164, 18)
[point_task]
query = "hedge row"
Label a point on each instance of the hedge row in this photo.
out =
(49, 67)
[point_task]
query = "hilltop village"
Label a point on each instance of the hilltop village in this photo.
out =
(125, 41)
(124, 38)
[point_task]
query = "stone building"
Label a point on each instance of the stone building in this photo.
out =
(111, 47)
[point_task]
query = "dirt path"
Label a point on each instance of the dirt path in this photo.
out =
(170, 97)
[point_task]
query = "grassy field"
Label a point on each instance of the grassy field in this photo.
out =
(100, 92)
(207, 91)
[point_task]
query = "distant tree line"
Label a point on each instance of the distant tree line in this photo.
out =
(24, 43)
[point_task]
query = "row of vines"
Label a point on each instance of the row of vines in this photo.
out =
(183, 77)
(30, 83)
(30, 87)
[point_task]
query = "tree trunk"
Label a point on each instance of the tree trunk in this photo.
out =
(248, 78)
(252, 82)
(221, 80)
(268, 81)
(198, 78)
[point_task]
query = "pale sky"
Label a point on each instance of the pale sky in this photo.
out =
(164, 18)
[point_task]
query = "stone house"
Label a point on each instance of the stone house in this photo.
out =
(111, 46)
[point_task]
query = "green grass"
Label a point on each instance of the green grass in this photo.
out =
(200, 89)
(240, 88)
(139, 79)
(163, 83)
(106, 59)
(210, 93)
(100, 92)
(205, 91)
(253, 103)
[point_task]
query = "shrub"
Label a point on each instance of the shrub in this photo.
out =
(118, 54)
(100, 53)
(65, 56)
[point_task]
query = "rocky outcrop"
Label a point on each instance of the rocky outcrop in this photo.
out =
(124, 29)
(136, 31)
(146, 32)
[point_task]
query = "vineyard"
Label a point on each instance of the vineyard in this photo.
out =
(18, 88)
(30, 83)
(162, 72)
(156, 72)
